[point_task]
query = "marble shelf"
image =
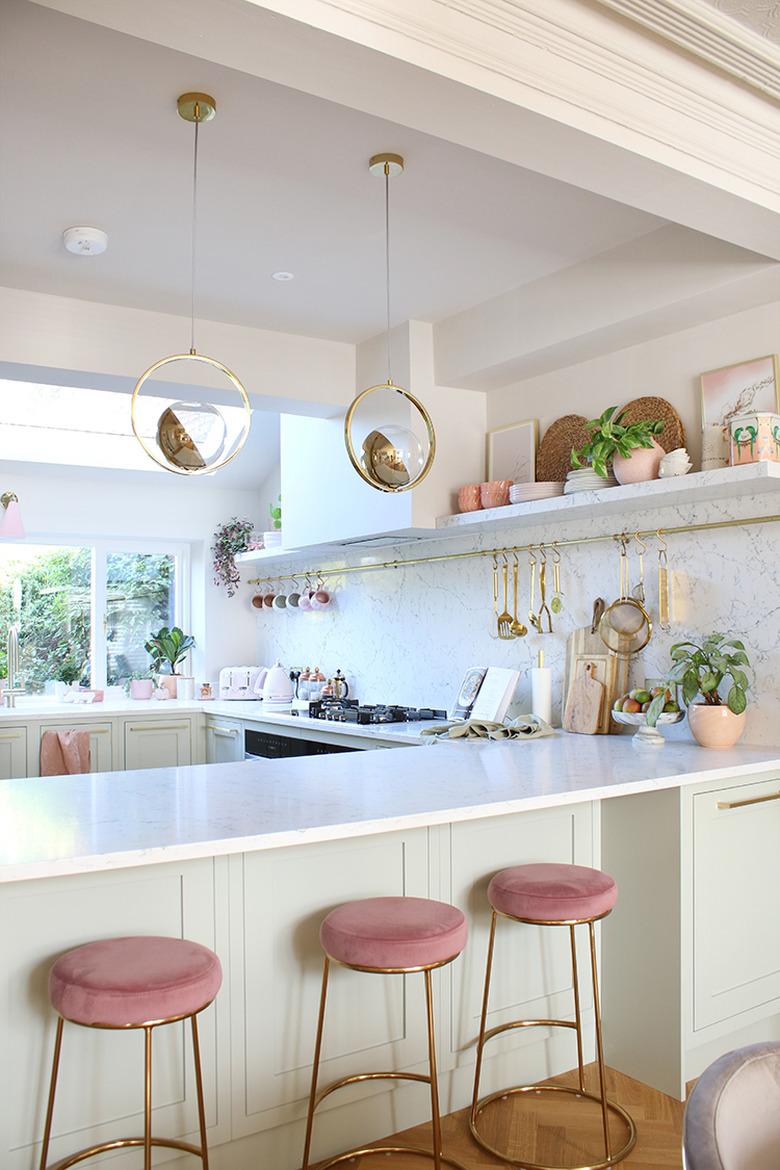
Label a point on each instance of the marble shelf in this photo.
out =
(699, 487)
(725, 483)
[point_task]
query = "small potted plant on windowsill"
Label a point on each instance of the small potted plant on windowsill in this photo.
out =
(631, 447)
(702, 670)
(140, 684)
(68, 674)
(171, 646)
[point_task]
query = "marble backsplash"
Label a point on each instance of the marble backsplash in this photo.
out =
(408, 635)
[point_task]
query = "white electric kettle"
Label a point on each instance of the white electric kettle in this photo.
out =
(274, 686)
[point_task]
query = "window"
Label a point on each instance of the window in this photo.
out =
(84, 613)
(140, 597)
(46, 590)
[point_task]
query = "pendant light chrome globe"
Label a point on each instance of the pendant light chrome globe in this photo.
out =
(190, 438)
(391, 458)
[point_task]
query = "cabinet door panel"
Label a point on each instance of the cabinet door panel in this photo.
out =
(736, 873)
(532, 965)
(100, 1090)
(13, 752)
(100, 742)
(157, 743)
(224, 742)
(278, 900)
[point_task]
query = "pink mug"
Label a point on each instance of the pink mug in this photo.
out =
(320, 599)
(304, 601)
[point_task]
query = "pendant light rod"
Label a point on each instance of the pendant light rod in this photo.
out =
(194, 236)
(197, 108)
(387, 165)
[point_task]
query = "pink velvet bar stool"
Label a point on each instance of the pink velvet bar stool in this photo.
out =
(388, 936)
(139, 982)
(549, 894)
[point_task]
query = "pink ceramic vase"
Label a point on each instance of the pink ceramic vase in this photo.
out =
(642, 464)
(141, 688)
(715, 727)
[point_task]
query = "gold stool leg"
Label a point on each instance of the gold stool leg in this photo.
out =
(483, 1020)
(55, 1068)
(578, 1018)
(147, 1099)
(435, 1114)
(599, 1044)
(316, 1065)
(204, 1147)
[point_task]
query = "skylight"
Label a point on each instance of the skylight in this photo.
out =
(77, 427)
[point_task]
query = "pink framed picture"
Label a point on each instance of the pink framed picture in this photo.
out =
(744, 388)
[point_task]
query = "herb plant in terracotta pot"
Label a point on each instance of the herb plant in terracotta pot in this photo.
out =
(702, 670)
(631, 448)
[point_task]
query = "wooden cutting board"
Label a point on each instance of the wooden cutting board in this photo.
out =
(584, 646)
(585, 703)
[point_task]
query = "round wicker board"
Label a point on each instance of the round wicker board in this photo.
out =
(554, 459)
(650, 407)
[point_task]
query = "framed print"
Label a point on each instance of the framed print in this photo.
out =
(511, 452)
(747, 387)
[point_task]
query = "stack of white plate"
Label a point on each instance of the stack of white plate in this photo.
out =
(585, 479)
(521, 493)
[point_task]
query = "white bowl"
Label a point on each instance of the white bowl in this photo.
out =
(646, 736)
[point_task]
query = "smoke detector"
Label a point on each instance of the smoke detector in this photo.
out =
(85, 241)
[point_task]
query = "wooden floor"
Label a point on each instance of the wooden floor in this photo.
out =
(556, 1130)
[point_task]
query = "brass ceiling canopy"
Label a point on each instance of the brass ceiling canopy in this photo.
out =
(391, 458)
(191, 438)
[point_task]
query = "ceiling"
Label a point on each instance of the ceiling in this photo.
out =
(90, 135)
(762, 16)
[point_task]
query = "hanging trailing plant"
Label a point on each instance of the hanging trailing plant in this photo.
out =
(229, 539)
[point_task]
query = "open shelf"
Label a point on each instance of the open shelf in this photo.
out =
(726, 483)
(701, 486)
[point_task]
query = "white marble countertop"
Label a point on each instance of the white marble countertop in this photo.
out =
(77, 824)
(242, 710)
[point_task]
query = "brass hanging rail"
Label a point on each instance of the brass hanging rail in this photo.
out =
(648, 533)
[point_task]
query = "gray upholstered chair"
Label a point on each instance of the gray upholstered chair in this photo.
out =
(732, 1121)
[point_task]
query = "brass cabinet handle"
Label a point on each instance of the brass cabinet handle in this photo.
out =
(749, 800)
(158, 727)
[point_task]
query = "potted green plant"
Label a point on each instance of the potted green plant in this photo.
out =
(68, 672)
(631, 447)
(171, 646)
(139, 684)
(702, 670)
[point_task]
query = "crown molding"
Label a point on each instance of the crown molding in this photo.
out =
(579, 55)
(710, 35)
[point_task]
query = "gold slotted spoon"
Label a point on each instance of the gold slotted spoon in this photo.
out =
(504, 619)
(517, 629)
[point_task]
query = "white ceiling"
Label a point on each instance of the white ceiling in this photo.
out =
(762, 16)
(89, 134)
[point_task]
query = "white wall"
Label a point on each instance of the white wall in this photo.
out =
(160, 508)
(668, 366)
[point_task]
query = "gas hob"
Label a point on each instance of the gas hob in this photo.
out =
(350, 711)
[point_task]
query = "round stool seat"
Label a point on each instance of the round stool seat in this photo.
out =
(125, 982)
(393, 932)
(549, 892)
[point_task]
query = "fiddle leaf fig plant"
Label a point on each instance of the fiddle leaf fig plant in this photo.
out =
(170, 646)
(609, 437)
(702, 669)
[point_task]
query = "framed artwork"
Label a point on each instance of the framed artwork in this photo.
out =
(511, 452)
(747, 387)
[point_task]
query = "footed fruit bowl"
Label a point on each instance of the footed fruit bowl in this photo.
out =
(647, 736)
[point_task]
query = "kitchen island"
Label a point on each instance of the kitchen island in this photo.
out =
(248, 857)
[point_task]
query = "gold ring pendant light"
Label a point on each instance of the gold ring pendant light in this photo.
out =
(391, 458)
(191, 437)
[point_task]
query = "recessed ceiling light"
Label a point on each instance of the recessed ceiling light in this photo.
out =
(85, 241)
(283, 275)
